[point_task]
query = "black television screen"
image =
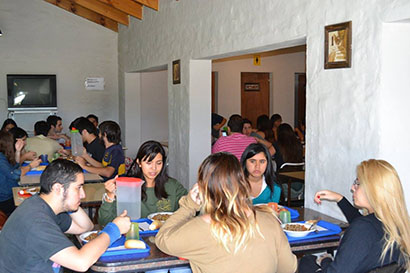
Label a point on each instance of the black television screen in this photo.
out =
(31, 91)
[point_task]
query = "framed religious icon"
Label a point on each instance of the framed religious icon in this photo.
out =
(176, 72)
(338, 45)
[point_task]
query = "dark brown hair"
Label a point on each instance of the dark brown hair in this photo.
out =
(289, 146)
(7, 146)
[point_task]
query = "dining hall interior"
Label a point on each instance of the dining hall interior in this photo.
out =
(352, 114)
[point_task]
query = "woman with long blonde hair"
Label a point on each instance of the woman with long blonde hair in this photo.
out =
(380, 237)
(230, 235)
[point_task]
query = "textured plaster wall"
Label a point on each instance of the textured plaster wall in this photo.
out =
(395, 97)
(39, 38)
(343, 105)
(283, 69)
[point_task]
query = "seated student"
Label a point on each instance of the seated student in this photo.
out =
(94, 119)
(276, 120)
(289, 150)
(19, 133)
(288, 147)
(247, 129)
(257, 167)
(217, 123)
(236, 142)
(94, 148)
(231, 235)
(381, 236)
(158, 193)
(8, 124)
(40, 144)
(56, 127)
(10, 170)
(113, 160)
(264, 126)
(33, 238)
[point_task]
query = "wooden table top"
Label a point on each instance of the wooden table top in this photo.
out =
(298, 175)
(93, 193)
(158, 259)
(35, 179)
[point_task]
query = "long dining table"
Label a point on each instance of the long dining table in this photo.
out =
(159, 260)
(34, 179)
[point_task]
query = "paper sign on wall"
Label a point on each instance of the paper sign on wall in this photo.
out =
(94, 83)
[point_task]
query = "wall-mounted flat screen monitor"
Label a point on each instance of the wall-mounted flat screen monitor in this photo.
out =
(31, 91)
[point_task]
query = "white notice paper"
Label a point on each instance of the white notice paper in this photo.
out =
(94, 83)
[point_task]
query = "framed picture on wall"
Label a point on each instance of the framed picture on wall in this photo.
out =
(176, 72)
(338, 45)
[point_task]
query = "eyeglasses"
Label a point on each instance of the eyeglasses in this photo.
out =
(356, 183)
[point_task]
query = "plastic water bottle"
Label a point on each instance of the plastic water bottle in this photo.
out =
(76, 143)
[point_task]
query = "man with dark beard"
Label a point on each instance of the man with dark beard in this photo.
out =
(33, 238)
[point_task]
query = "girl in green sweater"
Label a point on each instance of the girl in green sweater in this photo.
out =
(159, 192)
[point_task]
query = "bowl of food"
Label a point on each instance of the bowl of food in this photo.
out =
(160, 216)
(158, 219)
(298, 229)
(88, 236)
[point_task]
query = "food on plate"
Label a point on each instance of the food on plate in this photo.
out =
(134, 244)
(161, 217)
(295, 227)
(277, 208)
(30, 191)
(40, 168)
(155, 225)
(91, 236)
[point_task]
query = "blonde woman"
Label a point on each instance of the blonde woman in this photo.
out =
(379, 238)
(230, 235)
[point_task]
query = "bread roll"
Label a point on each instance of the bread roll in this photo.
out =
(155, 225)
(134, 244)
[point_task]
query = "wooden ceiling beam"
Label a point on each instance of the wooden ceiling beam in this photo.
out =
(103, 9)
(128, 6)
(149, 3)
(69, 6)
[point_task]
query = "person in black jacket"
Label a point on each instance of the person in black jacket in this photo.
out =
(379, 237)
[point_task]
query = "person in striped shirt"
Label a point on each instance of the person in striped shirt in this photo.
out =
(236, 142)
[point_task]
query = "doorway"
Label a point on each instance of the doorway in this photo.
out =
(300, 98)
(254, 95)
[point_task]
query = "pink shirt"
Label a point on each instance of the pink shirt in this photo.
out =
(234, 144)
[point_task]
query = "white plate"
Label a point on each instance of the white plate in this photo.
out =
(86, 234)
(158, 213)
(298, 233)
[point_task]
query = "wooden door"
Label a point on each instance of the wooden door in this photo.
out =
(213, 95)
(300, 98)
(254, 95)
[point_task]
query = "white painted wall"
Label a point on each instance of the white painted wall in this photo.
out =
(343, 105)
(40, 38)
(199, 109)
(395, 98)
(132, 106)
(283, 69)
(154, 106)
(146, 109)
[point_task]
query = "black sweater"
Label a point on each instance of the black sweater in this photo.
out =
(362, 244)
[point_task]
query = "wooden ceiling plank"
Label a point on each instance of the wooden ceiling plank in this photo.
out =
(85, 13)
(128, 6)
(103, 9)
(149, 3)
